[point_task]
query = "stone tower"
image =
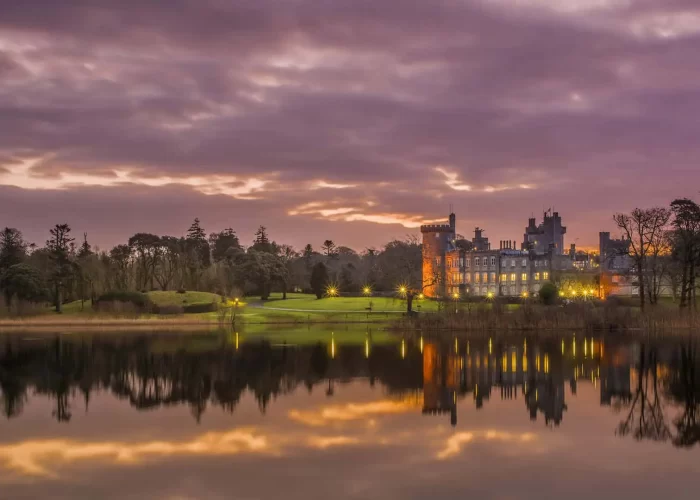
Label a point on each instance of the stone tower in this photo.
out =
(437, 240)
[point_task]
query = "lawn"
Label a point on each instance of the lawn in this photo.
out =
(301, 302)
(180, 299)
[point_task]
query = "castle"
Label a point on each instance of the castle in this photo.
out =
(453, 267)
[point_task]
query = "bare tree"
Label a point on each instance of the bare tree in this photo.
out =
(646, 230)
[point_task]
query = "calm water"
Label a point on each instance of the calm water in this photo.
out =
(214, 416)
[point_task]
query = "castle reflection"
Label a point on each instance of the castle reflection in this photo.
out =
(639, 379)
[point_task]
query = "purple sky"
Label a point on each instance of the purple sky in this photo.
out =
(350, 120)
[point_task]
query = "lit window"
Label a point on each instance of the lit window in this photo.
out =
(537, 276)
(438, 260)
(449, 262)
(484, 277)
(504, 277)
(545, 275)
(476, 277)
(523, 277)
(493, 278)
(512, 277)
(468, 278)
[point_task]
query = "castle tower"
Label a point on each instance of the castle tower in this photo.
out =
(437, 239)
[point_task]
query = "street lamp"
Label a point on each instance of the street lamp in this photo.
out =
(332, 291)
(367, 291)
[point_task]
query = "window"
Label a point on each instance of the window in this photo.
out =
(461, 277)
(512, 289)
(493, 261)
(545, 275)
(476, 261)
(512, 277)
(492, 278)
(461, 261)
(449, 262)
(476, 277)
(524, 262)
(484, 277)
(468, 278)
(504, 277)
(537, 276)
(455, 277)
(438, 260)
(512, 262)
(537, 263)
(466, 262)
(523, 277)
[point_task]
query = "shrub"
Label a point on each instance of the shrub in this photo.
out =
(169, 310)
(139, 300)
(548, 293)
(181, 291)
(200, 308)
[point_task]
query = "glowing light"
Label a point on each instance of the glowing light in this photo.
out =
(563, 348)
(332, 291)
(546, 363)
(562, 294)
(455, 296)
(366, 348)
(402, 290)
(456, 346)
(490, 346)
(403, 349)
(421, 344)
(236, 340)
(489, 295)
(367, 290)
(525, 295)
(332, 345)
(421, 296)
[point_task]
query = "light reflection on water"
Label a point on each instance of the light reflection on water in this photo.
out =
(115, 416)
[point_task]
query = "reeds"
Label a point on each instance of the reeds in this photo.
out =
(540, 317)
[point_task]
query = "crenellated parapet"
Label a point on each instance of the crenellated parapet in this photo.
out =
(436, 228)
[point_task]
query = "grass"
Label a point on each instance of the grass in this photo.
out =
(181, 299)
(346, 304)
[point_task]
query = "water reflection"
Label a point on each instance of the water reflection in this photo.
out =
(654, 385)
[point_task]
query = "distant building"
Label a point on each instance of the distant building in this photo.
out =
(450, 268)
(616, 274)
(540, 238)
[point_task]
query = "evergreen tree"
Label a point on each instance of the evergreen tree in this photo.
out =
(59, 247)
(13, 248)
(319, 279)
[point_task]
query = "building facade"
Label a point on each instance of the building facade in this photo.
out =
(454, 268)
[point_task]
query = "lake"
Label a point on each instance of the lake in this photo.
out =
(221, 416)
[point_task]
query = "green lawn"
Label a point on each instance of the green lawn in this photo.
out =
(345, 304)
(180, 299)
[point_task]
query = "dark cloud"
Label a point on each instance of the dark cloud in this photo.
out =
(576, 97)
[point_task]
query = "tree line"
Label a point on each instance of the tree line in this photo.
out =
(663, 247)
(65, 270)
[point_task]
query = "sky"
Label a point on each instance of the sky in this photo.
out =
(354, 121)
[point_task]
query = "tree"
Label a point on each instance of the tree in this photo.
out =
(262, 242)
(85, 247)
(221, 242)
(287, 255)
(319, 279)
(171, 257)
(329, 248)
(548, 293)
(22, 282)
(686, 246)
(59, 247)
(13, 248)
(262, 269)
(148, 251)
(120, 259)
(198, 254)
(646, 230)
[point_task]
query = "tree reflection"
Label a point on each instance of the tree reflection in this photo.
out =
(685, 389)
(646, 419)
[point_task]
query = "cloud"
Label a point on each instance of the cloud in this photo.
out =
(353, 107)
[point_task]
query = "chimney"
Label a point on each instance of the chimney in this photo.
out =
(453, 221)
